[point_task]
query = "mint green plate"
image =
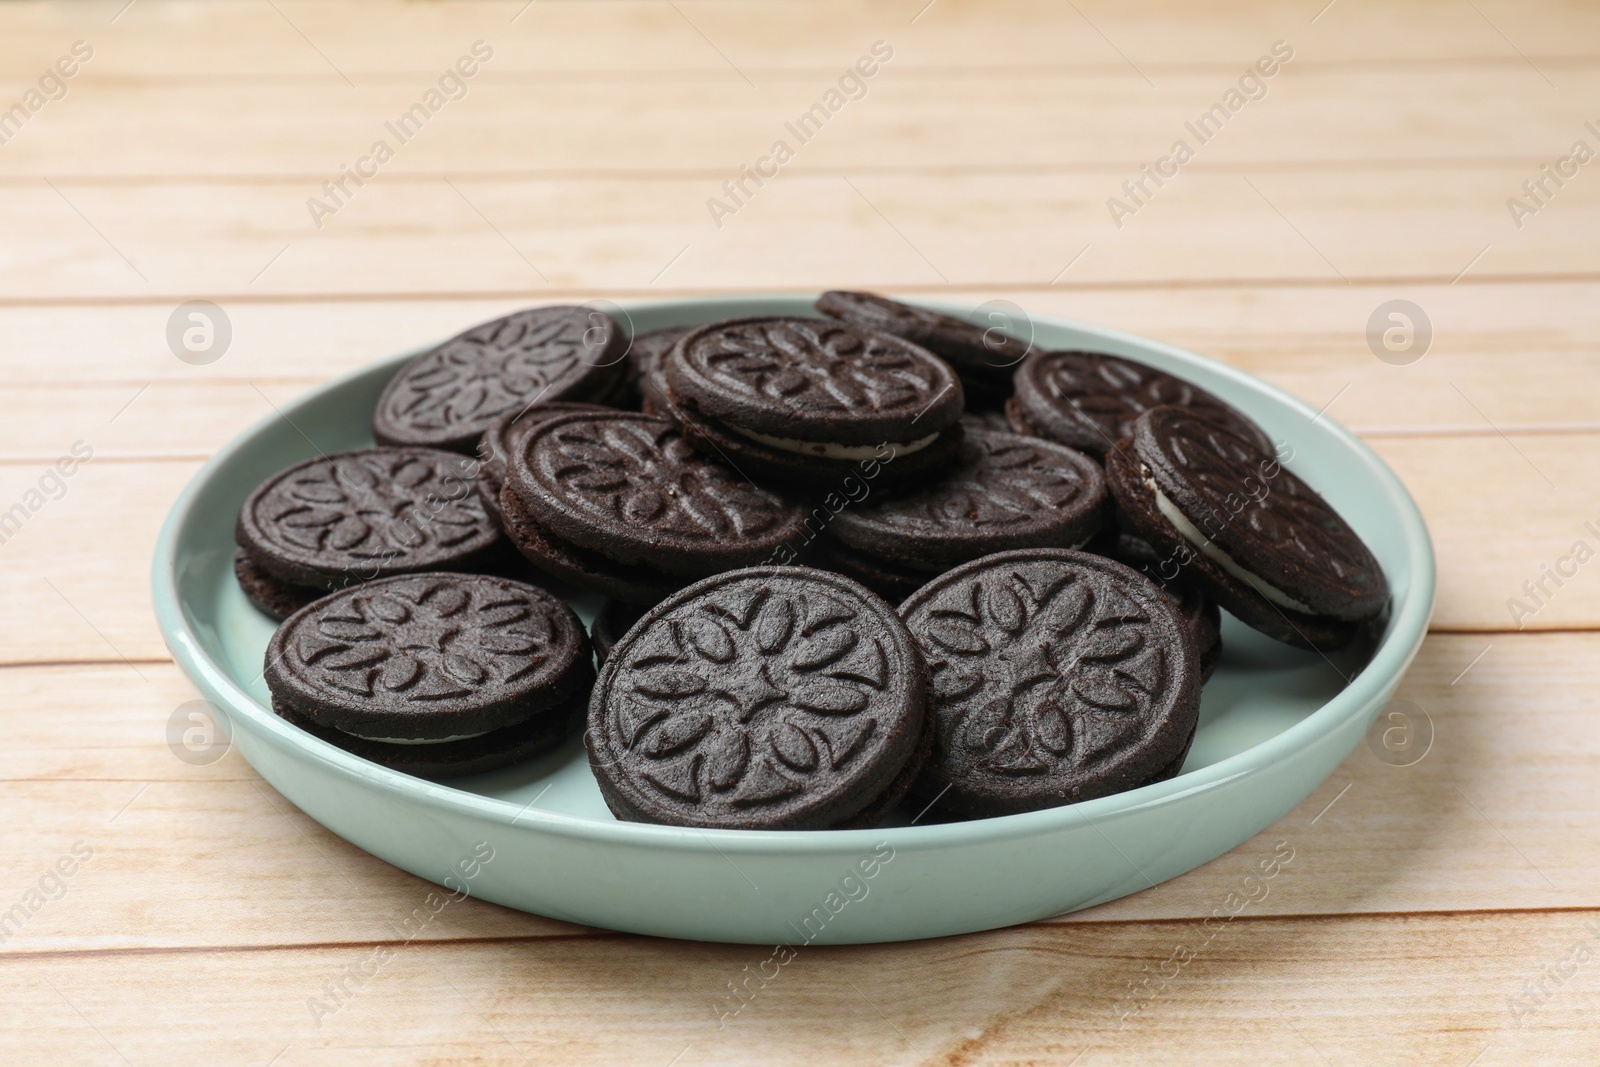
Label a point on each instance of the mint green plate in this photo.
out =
(1274, 723)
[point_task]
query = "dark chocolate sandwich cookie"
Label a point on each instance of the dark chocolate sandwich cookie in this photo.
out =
(892, 581)
(439, 675)
(448, 397)
(810, 399)
(353, 517)
(1256, 538)
(505, 438)
(1058, 676)
(577, 566)
(615, 618)
(645, 356)
(1003, 492)
(1199, 611)
(773, 698)
(982, 354)
(1089, 399)
(1173, 769)
(278, 599)
(1203, 618)
(595, 497)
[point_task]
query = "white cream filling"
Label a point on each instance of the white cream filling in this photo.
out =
(833, 451)
(416, 740)
(1191, 533)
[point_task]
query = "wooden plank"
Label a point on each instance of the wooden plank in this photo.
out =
(1292, 992)
(78, 569)
(301, 133)
(1544, 506)
(1470, 827)
(170, 40)
(240, 865)
(1310, 340)
(171, 243)
(112, 380)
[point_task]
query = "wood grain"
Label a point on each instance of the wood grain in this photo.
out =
(1310, 340)
(598, 125)
(469, 235)
(1424, 903)
(168, 40)
(1424, 990)
(113, 378)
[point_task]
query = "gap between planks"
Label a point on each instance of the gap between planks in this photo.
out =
(927, 72)
(932, 289)
(1450, 164)
(614, 935)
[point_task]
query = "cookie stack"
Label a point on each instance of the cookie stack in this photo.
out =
(1059, 529)
(804, 401)
(436, 675)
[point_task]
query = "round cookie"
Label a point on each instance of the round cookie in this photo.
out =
(984, 357)
(357, 516)
(504, 439)
(1089, 399)
(1058, 676)
(1002, 492)
(456, 664)
(1203, 618)
(1256, 538)
(624, 494)
(1199, 611)
(447, 397)
(645, 356)
(810, 399)
(772, 698)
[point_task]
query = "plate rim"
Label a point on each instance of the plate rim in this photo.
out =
(1407, 629)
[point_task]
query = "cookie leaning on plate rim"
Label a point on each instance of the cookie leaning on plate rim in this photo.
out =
(1253, 535)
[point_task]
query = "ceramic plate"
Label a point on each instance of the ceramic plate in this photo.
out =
(1274, 723)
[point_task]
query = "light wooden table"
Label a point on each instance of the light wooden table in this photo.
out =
(1446, 912)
